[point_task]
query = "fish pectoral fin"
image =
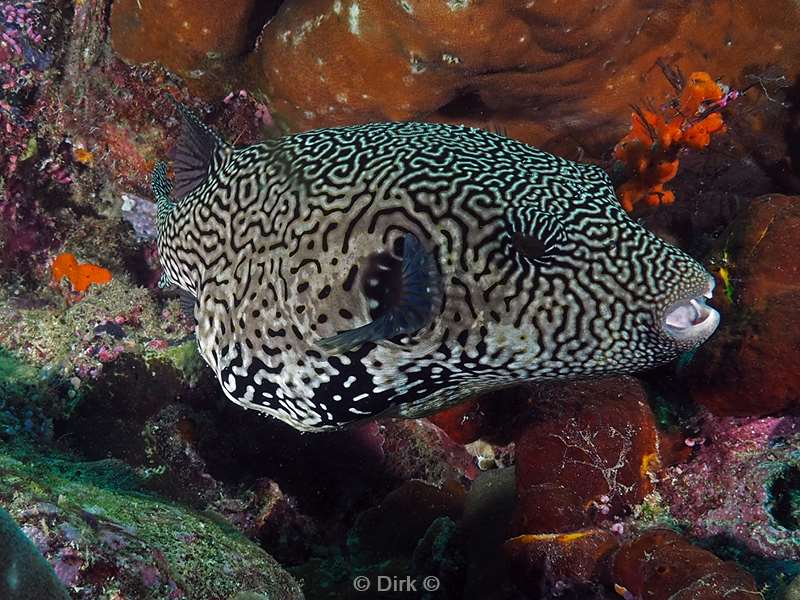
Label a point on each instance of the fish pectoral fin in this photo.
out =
(194, 153)
(419, 298)
(188, 303)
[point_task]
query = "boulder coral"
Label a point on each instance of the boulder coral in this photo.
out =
(540, 70)
(589, 465)
(199, 40)
(662, 565)
(548, 73)
(752, 365)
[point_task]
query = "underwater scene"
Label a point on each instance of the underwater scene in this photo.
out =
(366, 299)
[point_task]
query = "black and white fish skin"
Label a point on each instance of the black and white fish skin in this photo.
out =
(543, 275)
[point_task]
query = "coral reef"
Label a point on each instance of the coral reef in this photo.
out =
(146, 483)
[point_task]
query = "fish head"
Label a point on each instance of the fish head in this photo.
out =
(677, 288)
(608, 296)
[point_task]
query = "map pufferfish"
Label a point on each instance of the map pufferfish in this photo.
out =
(396, 269)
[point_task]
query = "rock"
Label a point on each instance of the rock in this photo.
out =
(741, 486)
(589, 461)
(396, 525)
(100, 530)
(573, 70)
(25, 573)
(662, 565)
(488, 509)
(416, 449)
(267, 514)
(113, 413)
(410, 535)
(752, 364)
(171, 440)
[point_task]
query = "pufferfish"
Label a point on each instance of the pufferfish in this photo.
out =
(396, 269)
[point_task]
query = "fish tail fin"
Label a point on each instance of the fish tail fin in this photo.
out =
(420, 298)
(199, 152)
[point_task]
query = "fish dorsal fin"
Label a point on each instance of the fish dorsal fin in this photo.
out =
(195, 152)
(414, 295)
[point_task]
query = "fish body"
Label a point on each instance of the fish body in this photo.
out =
(400, 268)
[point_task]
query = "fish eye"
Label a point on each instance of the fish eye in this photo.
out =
(529, 245)
(537, 236)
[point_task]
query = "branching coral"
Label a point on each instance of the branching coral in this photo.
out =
(650, 150)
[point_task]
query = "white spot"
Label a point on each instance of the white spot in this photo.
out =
(230, 384)
(457, 4)
(341, 98)
(349, 381)
(360, 397)
(337, 397)
(354, 14)
(337, 7)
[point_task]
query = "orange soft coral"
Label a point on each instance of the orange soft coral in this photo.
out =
(649, 150)
(80, 276)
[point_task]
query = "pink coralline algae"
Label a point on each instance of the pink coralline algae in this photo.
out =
(739, 485)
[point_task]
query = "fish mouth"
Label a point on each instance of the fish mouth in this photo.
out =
(692, 320)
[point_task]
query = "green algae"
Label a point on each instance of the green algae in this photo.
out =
(653, 511)
(204, 557)
(185, 358)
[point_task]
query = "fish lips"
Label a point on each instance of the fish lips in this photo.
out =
(691, 322)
